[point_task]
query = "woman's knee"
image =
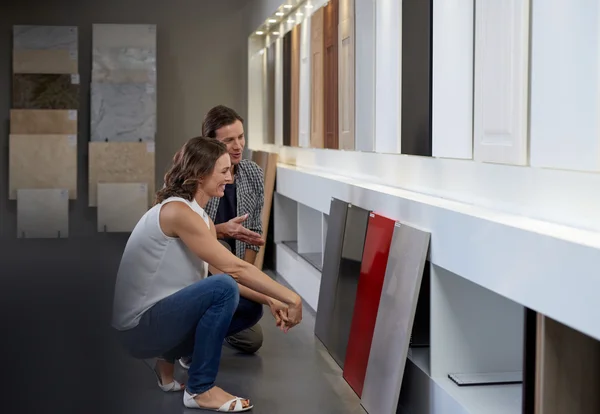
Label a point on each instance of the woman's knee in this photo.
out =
(226, 286)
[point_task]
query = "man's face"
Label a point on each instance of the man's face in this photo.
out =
(233, 137)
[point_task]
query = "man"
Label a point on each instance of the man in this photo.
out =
(237, 215)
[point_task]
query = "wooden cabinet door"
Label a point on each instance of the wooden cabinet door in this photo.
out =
(295, 86)
(346, 75)
(287, 87)
(330, 77)
(317, 118)
(270, 101)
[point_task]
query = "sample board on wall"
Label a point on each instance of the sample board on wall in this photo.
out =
(564, 85)
(124, 65)
(270, 95)
(346, 77)
(330, 77)
(279, 100)
(45, 91)
(108, 36)
(42, 162)
(332, 257)
(268, 163)
(452, 78)
(317, 94)
(501, 81)
(305, 84)
(295, 85)
(121, 162)
(397, 306)
(416, 78)
(372, 273)
(120, 206)
(45, 49)
(287, 88)
(43, 121)
(43, 213)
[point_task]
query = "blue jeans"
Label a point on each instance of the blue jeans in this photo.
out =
(193, 321)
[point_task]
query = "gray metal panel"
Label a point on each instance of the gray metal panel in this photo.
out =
(349, 273)
(395, 318)
(338, 211)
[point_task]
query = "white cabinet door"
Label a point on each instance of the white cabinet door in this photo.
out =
(346, 74)
(305, 82)
(501, 81)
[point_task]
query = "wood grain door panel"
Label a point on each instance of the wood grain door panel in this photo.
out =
(270, 101)
(317, 118)
(346, 75)
(295, 86)
(330, 77)
(287, 87)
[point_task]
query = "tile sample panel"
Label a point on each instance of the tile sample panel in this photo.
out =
(42, 162)
(355, 232)
(452, 78)
(332, 257)
(372, 273)
(501, 81)
(346, 75)
(295, 85)
(45, 61)
(124, 35)
(416, 78)
(278, 99)
(45, 91)
(330, 76)
(305, 85)
(287, 88)
(270, 95)
(121, 162)
(268, 162)
(364, 24)
(42, 213)
(124, 112)
(45, 37)
(317, 105)
(120, 206)
(395, 316)
(124, 65)
(43, 121)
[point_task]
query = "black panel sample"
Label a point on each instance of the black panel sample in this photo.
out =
(336, 226)
(287, 88)
(416, 77)
(353, 245)
(529, 360)
(421, 326)
(270, 94)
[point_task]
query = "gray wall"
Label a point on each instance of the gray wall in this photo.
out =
(202, 61)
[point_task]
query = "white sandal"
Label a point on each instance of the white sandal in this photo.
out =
(190, 402)
(173, 386)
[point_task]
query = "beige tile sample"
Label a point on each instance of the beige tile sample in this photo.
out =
(42, 162)
(124, 35)
(121, 162)
(120, 206)
(43, 213)
(43, 121)
(45, 61)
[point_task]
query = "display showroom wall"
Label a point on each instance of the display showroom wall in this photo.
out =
(201, 62)
(483, 132)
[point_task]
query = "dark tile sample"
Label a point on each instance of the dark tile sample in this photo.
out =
(529, 360)
(395, 317)
(332, 256)
(287, 88)
(372, 274)
(416, 77)
(271, 94)
(357, 221)
(45, 91)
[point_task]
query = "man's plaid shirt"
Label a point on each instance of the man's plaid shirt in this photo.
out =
(250, 193)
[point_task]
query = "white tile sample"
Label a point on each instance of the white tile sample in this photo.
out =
(124, 64)
(121, 205)
(305, 85)
(124, 35)
(395, 317)
(365, 75)
(346, 75)
(452, 89)
(42, 213)
(45, 37)
(501, 81)
(565, 104)
(124, 112)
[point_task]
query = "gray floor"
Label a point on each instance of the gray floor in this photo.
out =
(55, 299)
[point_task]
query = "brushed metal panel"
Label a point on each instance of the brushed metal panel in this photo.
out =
(397, 306)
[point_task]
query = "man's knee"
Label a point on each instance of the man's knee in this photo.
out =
(249, 340)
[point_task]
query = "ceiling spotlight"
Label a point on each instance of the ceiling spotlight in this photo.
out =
(309, 6)
(279, 14)
(261, 52)
(287, 6)
(260, 32)
(291, 21)
(276, 33)
(299, 14)
(272, 21)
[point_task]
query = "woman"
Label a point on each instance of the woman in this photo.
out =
(166, 307)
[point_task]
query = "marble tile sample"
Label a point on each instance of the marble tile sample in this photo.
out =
(120, 206)
(43, 121)
(124, 35)
(120, 162)
(42, 162)
(45, 91)
(395, 316)
(45, 37)
(124, 112)
(124, 65)
(44, 61)
(43, 213)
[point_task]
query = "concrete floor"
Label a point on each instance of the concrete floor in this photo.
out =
(58, 355)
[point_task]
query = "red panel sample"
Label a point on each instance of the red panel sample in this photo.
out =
(372, 273)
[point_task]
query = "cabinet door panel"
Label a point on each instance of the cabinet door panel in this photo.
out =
(346, 75)
(317, 86)
(330, 78)
(295, 86)
(287, 88)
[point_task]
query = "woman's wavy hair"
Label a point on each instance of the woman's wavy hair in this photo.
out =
(193, 162)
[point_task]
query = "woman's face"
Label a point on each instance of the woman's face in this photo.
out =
(214, 184)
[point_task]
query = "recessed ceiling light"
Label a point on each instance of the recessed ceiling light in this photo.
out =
(279, 14)
(309, 6)
(299, 14)
(287, 6)
(291, 21)
(272, 21)
(260, 32)
(261, 52)
(276, 33)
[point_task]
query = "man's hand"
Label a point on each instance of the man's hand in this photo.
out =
(234, 229)
(279, 312)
